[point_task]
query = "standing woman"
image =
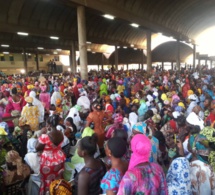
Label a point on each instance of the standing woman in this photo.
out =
(142, 176)
(103, 88)
(98, 117)
(30, 115)
(52, 157)
(16, 102)
(115, 149)
(44, 96)
(87, 182)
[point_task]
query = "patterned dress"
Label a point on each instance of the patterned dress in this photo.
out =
(51, 163)
(202, 178)
(146, 179)
(31, 115)
(111, 181)
(178, 177)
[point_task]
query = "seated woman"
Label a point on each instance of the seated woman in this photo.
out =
(16, 170)
(142, 176)
(115, 149)
(52, 157)
(87, 182)
(71, 130)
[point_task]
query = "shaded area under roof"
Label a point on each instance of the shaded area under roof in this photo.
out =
(166, 52)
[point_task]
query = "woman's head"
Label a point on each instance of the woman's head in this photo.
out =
(14, 91)
(97, 107)
(69, 121)
(87, 146)
(54, 120)
(194, 129)
(141, 149)
(14, 161)
(120, 134)
(116, 147)
(207, 102)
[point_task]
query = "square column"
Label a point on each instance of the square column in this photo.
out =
(82, 42)
(178, 55)
(149, 52)
(116, 57)
(194, 56)
(72, 58)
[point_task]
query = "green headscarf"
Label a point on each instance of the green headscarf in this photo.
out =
(208, 133)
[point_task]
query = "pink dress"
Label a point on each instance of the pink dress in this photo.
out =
(45, 99)
(17, 105)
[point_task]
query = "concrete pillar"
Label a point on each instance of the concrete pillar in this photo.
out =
(178, 54)
(162, 66)
(127, 66)
(194, 56)
(172, 65)
(102, 61)
(98, 67)
(206, 62)
(116, 57)
(25, 60)
(149, 52)
(37, 61)
(82, 41)
(72, 58)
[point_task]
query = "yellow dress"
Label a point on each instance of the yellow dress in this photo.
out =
(31, 115)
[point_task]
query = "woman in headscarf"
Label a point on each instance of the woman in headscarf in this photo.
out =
(52, 157)
(118, 119)
(55, 96)
(142, 176)
(178, 175)
(142, 128)
(98, 117)
(209, 133)
(16, 102)
(196, 145)
(202, 175)
(30, 115)
(103, 88)
(44, 96)
(39, 105)
(16, 170)
(211, 117)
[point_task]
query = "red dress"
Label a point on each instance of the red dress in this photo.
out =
(51, 163)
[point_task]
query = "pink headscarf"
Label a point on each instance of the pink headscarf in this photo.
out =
(141, 148)
(43, 87)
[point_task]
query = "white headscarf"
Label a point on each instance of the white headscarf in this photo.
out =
(194, 119)
(39, 104)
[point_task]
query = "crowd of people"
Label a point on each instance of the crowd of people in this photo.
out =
(119, 132)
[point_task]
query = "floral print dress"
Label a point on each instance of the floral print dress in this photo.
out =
(51, 163)
(148, 179)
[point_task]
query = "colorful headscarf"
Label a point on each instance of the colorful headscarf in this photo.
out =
(208, 133)
(141, 148)
(14, 158)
